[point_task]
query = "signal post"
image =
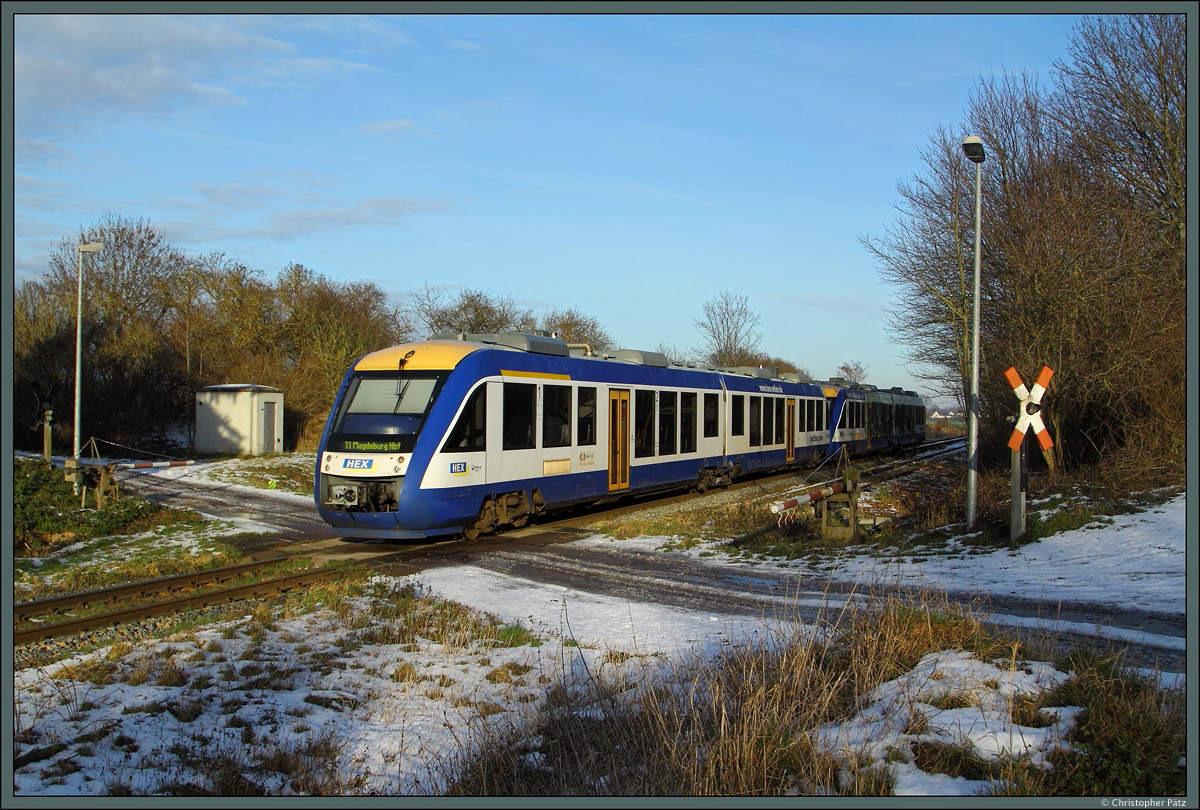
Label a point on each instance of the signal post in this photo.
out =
(1028, 415)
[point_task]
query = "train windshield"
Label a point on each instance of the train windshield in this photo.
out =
(384, 411)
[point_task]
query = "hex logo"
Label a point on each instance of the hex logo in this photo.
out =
(357, 463)
(458, 468)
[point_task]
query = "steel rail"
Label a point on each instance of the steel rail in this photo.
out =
(252, 590)
(169, 584)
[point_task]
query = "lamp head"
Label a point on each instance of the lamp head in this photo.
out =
(973, 148)
(91, 247)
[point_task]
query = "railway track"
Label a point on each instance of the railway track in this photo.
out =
(772, 594)
(184, 592)
(544, 552)
(188, 591)
(876, 473)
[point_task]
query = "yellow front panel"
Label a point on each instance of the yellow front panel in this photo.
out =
(431, 355)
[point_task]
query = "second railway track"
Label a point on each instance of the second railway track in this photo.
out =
(182, 592)
(542, 552)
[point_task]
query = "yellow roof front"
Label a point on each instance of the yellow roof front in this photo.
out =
(429, 355)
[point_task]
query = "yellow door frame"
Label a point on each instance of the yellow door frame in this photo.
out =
(618, 439)
(791, 429)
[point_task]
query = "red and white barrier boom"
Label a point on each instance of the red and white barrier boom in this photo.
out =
(1031, 400)
(808, 497)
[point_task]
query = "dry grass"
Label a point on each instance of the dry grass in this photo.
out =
(741, 724)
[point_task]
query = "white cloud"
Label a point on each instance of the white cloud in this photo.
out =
(234, 195)
(73, 71)
(302, 222)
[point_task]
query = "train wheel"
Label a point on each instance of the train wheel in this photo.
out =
(471, 532)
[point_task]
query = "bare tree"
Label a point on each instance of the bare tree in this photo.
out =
(240, 328)
(131, 376)
(575, 327)
(679, 357)
(470, 311)
(326, 326)
(852, 371)
(1082, 246)
(729, 331)
(127, 286)
(1123, 100)
(928, 257)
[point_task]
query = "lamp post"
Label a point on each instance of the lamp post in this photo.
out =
(973, 148)
(90, 247)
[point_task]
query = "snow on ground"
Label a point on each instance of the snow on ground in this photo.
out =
(142, 732)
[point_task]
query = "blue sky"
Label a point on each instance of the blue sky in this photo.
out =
(631, 166)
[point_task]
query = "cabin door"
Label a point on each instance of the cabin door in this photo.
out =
(790, 427)
(618, 439)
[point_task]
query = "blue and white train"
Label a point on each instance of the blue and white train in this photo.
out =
(466, 434)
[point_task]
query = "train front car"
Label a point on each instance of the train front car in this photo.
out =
(866, 420)
(381, 432)
(847, 418)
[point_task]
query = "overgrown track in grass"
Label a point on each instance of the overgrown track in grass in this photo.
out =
(188, 591)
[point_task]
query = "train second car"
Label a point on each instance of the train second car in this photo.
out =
(471, 433)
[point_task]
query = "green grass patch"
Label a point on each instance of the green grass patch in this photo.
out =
(47, 513)
(1130, 738)
(515, 635)
(286, 473)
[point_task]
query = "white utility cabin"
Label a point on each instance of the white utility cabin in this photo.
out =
(239, 419)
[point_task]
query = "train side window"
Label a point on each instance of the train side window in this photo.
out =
(755, 421)
(737, 415)
(780, 427)
(810, 415)
(469, 432)
(520, 405)
(712, 404)
(666, 422)
(643, 420)
(586, 426)
(687, 422)
(556, 416)
(768, 421)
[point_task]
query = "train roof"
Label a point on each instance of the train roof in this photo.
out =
(447, 350)
(545, 343)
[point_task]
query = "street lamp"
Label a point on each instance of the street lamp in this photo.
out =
(90, 247)
(973, 148)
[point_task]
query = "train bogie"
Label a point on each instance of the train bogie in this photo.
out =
(473, 433)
